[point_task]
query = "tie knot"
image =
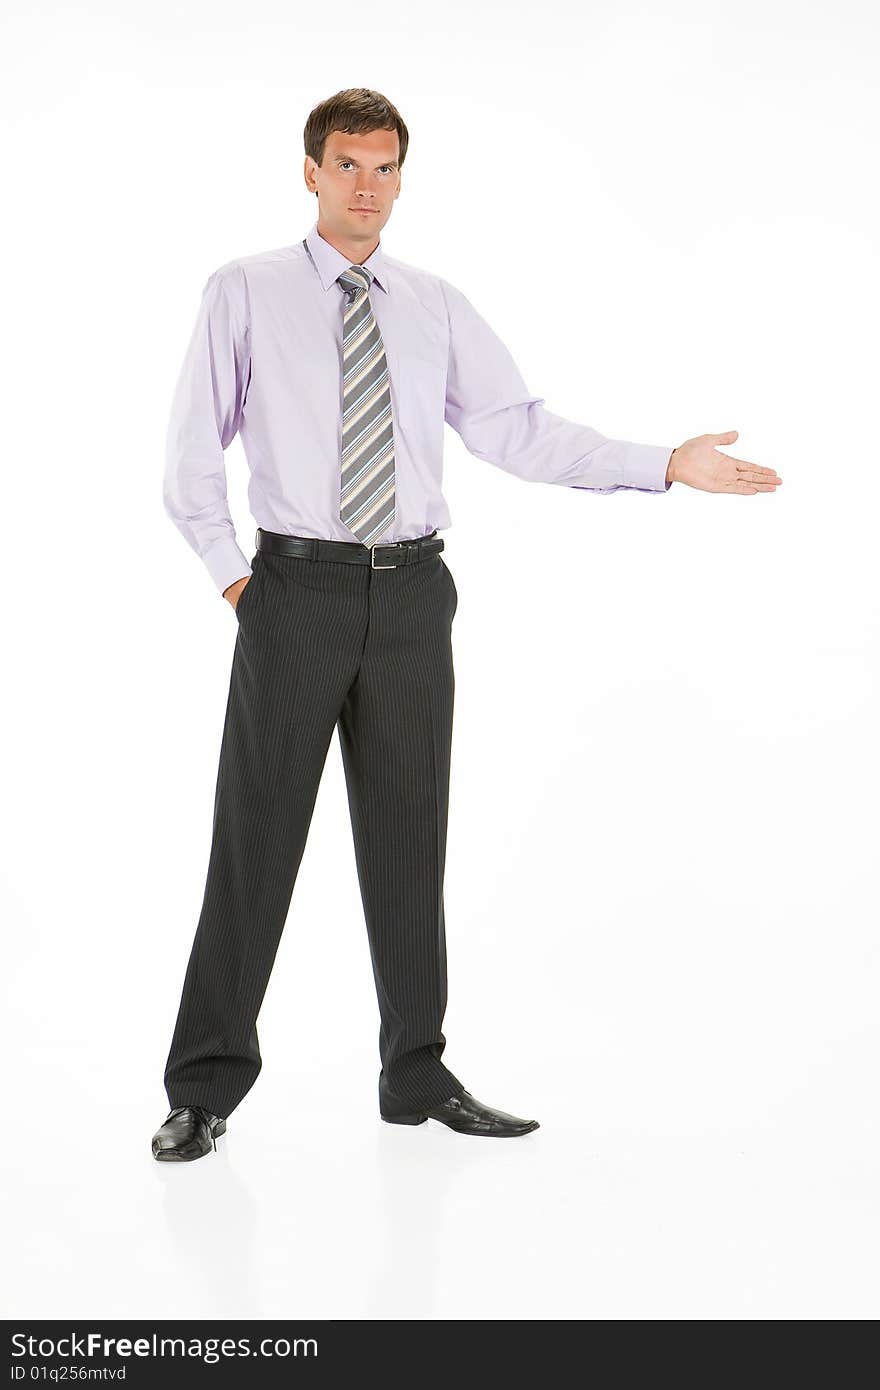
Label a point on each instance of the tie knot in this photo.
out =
(357, 277)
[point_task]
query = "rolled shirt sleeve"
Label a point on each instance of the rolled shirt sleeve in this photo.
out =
(206, 413)
(489, 405)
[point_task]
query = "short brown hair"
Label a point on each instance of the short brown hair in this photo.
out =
(356, 110)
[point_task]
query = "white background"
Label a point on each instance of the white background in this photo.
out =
(660, 892)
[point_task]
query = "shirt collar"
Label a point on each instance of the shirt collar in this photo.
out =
(330, 263)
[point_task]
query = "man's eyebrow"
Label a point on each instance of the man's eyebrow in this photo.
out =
(390, 163)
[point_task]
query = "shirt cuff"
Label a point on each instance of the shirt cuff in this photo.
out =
(645, 465)
(226, 563)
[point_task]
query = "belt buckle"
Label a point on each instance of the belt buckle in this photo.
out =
(382, 545)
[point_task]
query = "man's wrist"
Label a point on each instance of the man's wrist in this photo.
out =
(670, 467)
(237, 585)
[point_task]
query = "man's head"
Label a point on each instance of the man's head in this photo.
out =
(355, 147)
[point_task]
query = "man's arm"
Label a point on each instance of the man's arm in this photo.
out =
(499, 420)
(205, 417)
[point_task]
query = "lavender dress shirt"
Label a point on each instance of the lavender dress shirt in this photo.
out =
(264, 362)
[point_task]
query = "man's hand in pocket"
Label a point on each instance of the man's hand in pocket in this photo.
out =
(234, 592)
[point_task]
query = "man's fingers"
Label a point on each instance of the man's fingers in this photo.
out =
(751, 467)
(753, 479)
(745, 485)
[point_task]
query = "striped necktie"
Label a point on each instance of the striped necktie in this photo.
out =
(366, 503)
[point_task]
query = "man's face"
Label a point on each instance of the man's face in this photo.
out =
(356, 182)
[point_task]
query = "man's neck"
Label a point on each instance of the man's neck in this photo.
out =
(352, 250)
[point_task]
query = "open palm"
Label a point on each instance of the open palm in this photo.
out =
(699, 464)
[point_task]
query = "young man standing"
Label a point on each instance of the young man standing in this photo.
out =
(338, 366)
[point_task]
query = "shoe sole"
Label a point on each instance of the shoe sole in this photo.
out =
(474, 1133)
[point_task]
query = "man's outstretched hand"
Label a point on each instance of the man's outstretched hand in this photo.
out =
(233, 593)
(698, 463)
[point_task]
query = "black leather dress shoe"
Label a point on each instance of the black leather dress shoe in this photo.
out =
(463, 1113)
(187, 1133)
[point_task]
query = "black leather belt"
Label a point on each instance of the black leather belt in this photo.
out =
(390, 555)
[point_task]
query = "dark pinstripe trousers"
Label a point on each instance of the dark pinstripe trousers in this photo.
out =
(320, 645)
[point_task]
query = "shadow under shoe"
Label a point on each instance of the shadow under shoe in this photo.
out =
(463, 1113)
(188, 1133)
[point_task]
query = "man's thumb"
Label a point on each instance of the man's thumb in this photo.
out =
(726, 438)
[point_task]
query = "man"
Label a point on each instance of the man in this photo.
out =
(338, 365)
